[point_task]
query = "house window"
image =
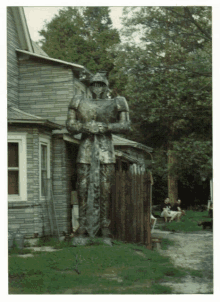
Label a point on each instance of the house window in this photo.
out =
(17, 181)
(44, 165)
(13, 168)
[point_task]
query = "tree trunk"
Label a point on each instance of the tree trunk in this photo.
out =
(172, 179)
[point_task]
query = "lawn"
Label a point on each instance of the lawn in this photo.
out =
(99, 269)
(93, 269)
(188, 223)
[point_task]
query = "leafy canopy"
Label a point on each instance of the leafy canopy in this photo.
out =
(169, 81)
(81, 35)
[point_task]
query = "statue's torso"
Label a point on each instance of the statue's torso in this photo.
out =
(104, 111)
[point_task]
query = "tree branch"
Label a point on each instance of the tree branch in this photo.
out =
(196, 23)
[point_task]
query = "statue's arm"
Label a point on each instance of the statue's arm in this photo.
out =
(75, 127)
(72, 125)
(122, 126)
(123, 123)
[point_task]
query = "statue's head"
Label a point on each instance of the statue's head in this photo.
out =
(99, 85)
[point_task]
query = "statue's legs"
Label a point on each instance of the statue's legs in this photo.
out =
(82, 193)
(107, 173)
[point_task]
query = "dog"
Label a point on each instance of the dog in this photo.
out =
(169, 215)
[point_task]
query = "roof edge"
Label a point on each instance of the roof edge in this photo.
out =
(37, 122)
(23, 31)
(53, 60)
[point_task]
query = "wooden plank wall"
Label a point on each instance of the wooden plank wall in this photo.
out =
(130, 209)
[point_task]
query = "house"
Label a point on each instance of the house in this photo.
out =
(41, 152)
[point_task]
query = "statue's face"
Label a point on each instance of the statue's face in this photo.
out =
(98, 89)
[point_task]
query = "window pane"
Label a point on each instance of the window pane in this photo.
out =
(13, 182)
(43, 182)
(43, 157)
(12, 154)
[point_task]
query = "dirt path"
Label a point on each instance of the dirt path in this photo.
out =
(193, 251)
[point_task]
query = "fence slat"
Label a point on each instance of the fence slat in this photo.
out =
(128, 208)
(147, 184)
(123, 206)
(134, 196)
(141, 209)
(130, 213)
(117, 205)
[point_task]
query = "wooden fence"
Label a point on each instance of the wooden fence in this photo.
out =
(130, 208)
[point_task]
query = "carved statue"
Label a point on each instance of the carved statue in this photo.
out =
(96, 119)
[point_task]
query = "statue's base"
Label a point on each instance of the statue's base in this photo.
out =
(107, 241)
(82, 241)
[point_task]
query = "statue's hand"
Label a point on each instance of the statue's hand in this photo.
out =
(91, 127)
(102, 127)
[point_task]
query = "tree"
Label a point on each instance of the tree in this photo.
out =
(170, 83)
(82, 35)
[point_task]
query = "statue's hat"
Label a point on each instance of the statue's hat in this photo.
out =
(99, 77)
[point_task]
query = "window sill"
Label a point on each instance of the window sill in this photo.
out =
(15, 198)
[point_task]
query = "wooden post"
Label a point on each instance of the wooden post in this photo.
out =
(172, 179)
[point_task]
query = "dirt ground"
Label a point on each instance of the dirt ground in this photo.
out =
(193, 251)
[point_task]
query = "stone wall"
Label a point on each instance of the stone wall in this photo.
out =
(12, 66)
(46, 88)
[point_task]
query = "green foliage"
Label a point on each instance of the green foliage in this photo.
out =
(100, 269)
(169, 82)
(81, 35)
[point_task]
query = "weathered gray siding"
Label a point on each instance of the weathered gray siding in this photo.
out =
(27, 215)
(12, 65)
(63, 165)
(46, 89)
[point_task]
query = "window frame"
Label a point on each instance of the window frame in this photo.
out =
(45, 141)
(19, 138)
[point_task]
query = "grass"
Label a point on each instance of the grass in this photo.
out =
(99, 269)
(94, 269)
(15, 250)
(188, 223)
(166, 242)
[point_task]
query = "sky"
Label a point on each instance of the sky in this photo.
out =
(36, 15)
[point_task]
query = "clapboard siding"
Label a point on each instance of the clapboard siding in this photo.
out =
(46, 89)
